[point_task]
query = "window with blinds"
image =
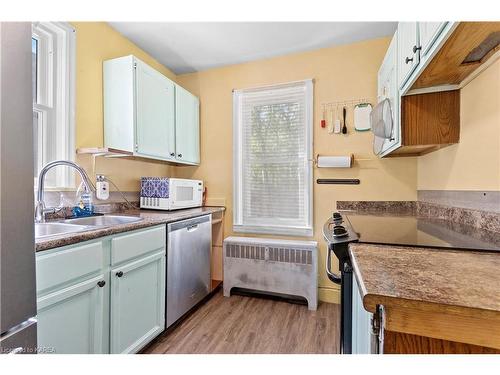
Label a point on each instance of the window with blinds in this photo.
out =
(272, 129)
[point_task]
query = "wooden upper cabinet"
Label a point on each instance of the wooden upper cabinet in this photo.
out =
(429, 122)
(434, 61)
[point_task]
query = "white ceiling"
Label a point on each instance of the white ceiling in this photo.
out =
(186, 47)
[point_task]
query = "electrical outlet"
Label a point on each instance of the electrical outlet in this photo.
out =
(102, 187)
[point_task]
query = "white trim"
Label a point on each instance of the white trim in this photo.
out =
(276, 230)
(427, 90)
(277, 226)
(265, 87)
(56, 94)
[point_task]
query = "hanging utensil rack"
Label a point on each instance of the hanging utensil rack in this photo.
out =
(330, 106)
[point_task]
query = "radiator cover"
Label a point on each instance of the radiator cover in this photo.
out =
(275, 266)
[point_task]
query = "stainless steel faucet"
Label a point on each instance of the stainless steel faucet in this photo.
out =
(40, 209)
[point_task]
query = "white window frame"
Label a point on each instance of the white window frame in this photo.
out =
(277, 227)
(55, 104)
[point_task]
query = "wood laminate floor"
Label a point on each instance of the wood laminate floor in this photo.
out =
(241, 324)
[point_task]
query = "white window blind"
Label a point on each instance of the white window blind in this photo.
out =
(272, 159)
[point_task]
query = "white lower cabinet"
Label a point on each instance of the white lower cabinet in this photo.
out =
(362, 338)
(137, 303)
(71, 320)
(88, 304)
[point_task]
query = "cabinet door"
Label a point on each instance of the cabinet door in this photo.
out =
(388, 89)
(137, 303)
(155, 101)
(362, 338)
(407, 41)
(187, 126)
(428, 33)
(73, 319)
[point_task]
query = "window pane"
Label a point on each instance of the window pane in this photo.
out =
(34, 67)
(273, 169)
(274, 189)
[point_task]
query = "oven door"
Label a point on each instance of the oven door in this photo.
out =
(185, 193)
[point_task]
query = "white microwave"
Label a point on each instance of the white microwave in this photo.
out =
(164, 193)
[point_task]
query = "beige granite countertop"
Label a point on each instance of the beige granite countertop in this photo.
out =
(151, 218)
(450, 278)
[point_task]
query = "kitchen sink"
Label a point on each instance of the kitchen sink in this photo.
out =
(44, 230)
(104, 220)
(80, 224)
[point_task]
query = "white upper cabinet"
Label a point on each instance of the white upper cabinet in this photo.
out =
(388, 89)
(187, 135)
(147, 114)
(408, 56)
(428, 33)
(155, 125)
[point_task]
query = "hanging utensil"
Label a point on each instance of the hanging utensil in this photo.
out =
(323, 120)
(344, 128)
(330, 121)
(362, 116)
(336, 126)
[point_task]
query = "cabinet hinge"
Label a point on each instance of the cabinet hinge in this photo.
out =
(378, 326)
(136, 147)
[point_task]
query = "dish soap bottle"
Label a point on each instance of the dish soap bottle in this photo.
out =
(85, 206)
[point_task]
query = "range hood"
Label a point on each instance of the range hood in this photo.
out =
(470, 49)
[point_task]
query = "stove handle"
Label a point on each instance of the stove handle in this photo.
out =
(333, 277)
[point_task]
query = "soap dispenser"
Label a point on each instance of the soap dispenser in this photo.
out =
(85, 206)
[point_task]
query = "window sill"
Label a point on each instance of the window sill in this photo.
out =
(297, 232)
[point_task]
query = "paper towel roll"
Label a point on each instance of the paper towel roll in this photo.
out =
(335, 161)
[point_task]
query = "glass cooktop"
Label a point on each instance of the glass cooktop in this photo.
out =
(413, 231)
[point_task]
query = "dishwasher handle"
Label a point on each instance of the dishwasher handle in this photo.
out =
(192, 228)
(190, 224)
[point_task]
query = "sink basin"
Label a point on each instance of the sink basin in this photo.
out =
(103, 221)
(44, 230)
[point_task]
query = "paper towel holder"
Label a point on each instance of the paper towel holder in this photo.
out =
(350, 156)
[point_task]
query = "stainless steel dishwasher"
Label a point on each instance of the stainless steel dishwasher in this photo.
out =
(188, 265)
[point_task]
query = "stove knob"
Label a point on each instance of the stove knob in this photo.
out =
(339, 231)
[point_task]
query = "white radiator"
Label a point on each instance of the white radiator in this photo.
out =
(275, 266)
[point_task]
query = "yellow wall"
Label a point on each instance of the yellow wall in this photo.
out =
(96, 42)
(339, 73)
(474, 163)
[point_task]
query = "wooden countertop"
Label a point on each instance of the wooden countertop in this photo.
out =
(446, 294)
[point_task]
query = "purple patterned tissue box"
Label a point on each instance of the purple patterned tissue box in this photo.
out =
(154, 187)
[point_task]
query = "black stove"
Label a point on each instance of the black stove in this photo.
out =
(345, 227)
(338, 233)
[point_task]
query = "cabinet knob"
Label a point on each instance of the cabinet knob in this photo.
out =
(101, 283)
(415, 49)
(119, 274)
(408, 60)
(179, 155)
(172, 154)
